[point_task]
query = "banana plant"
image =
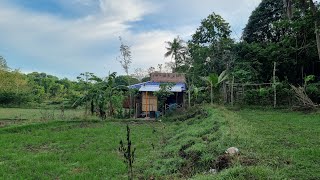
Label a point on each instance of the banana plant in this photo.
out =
(214, 80)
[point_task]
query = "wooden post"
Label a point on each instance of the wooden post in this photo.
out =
(225, 96)
(136, 116)
(274, 85)
(232, 97)
(189, 98)
(147, 104)
(211, 93)
(302, 75)
(176, 97)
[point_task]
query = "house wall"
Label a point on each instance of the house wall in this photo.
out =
(149, 102)
(168, 77)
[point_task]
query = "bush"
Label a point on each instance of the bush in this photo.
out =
(262, 96)
(313, 91)
(265, 96)
(12, 99)
(183, 115)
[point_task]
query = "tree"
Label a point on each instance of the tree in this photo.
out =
(151, 70)
(139, 74)
(125, 60)
(84, 78)
(123, 80)
(163, 94)
(14, 88)
(261, 27)
(160, 67)
(125, 57)
(176, 49)
(277, 32)
(211, 39)
(304, 5)
(3, 64)
(214, 80)
(104, 95)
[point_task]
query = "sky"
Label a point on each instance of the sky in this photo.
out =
(68, 37)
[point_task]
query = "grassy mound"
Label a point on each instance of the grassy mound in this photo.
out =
(268, 143)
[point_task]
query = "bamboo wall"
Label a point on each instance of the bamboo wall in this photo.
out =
(149, 102)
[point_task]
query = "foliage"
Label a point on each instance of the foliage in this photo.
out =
(177, 50)
(313, 91)
(3, 64)
(193, 146)
(123, 80)
(14, 89)
(214, 80)
(145, 79)
(210, 46)
(270, 36)
(125, 58)
(264, 95)
(301, 94)
(260, 27)
(304, 101)
(104, 95)
(163, 94)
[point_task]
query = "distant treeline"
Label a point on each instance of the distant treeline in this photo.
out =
(285, 32)
(35, 89)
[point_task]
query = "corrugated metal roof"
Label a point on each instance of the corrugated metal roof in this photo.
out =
(149, 88)
(155, 86)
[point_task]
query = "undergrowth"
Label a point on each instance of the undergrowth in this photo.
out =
(196, 141)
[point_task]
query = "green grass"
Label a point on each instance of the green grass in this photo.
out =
(286, 142)
(274, 144)
(35, 114)
(72, 150)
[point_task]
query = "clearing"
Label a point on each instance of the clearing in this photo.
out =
(273, 144)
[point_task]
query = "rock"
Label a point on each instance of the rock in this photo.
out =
(213, 171)
(232, 151)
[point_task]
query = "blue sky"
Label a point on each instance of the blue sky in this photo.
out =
(67, 37)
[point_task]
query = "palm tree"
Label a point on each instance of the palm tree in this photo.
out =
(177, 50)
(214, 80)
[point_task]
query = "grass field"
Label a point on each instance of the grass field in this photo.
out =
(273, 145)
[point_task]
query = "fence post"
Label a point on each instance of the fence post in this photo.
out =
(274, 85)
(232, 86)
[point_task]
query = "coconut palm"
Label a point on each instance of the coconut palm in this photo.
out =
(177, 50)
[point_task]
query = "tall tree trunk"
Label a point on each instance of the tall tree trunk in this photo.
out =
(92, 107)
(316, 16)
(288, 7)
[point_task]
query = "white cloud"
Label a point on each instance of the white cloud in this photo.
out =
(59, 45)
(126, 10)
(60, 42)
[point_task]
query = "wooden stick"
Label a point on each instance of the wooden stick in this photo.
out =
(274, 85)
(147, 104)
(232, 91)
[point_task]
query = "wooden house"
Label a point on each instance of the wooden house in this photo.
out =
(147, 104)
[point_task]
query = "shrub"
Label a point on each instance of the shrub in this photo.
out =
(313, 91)
(12, 98)
(265, 96)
